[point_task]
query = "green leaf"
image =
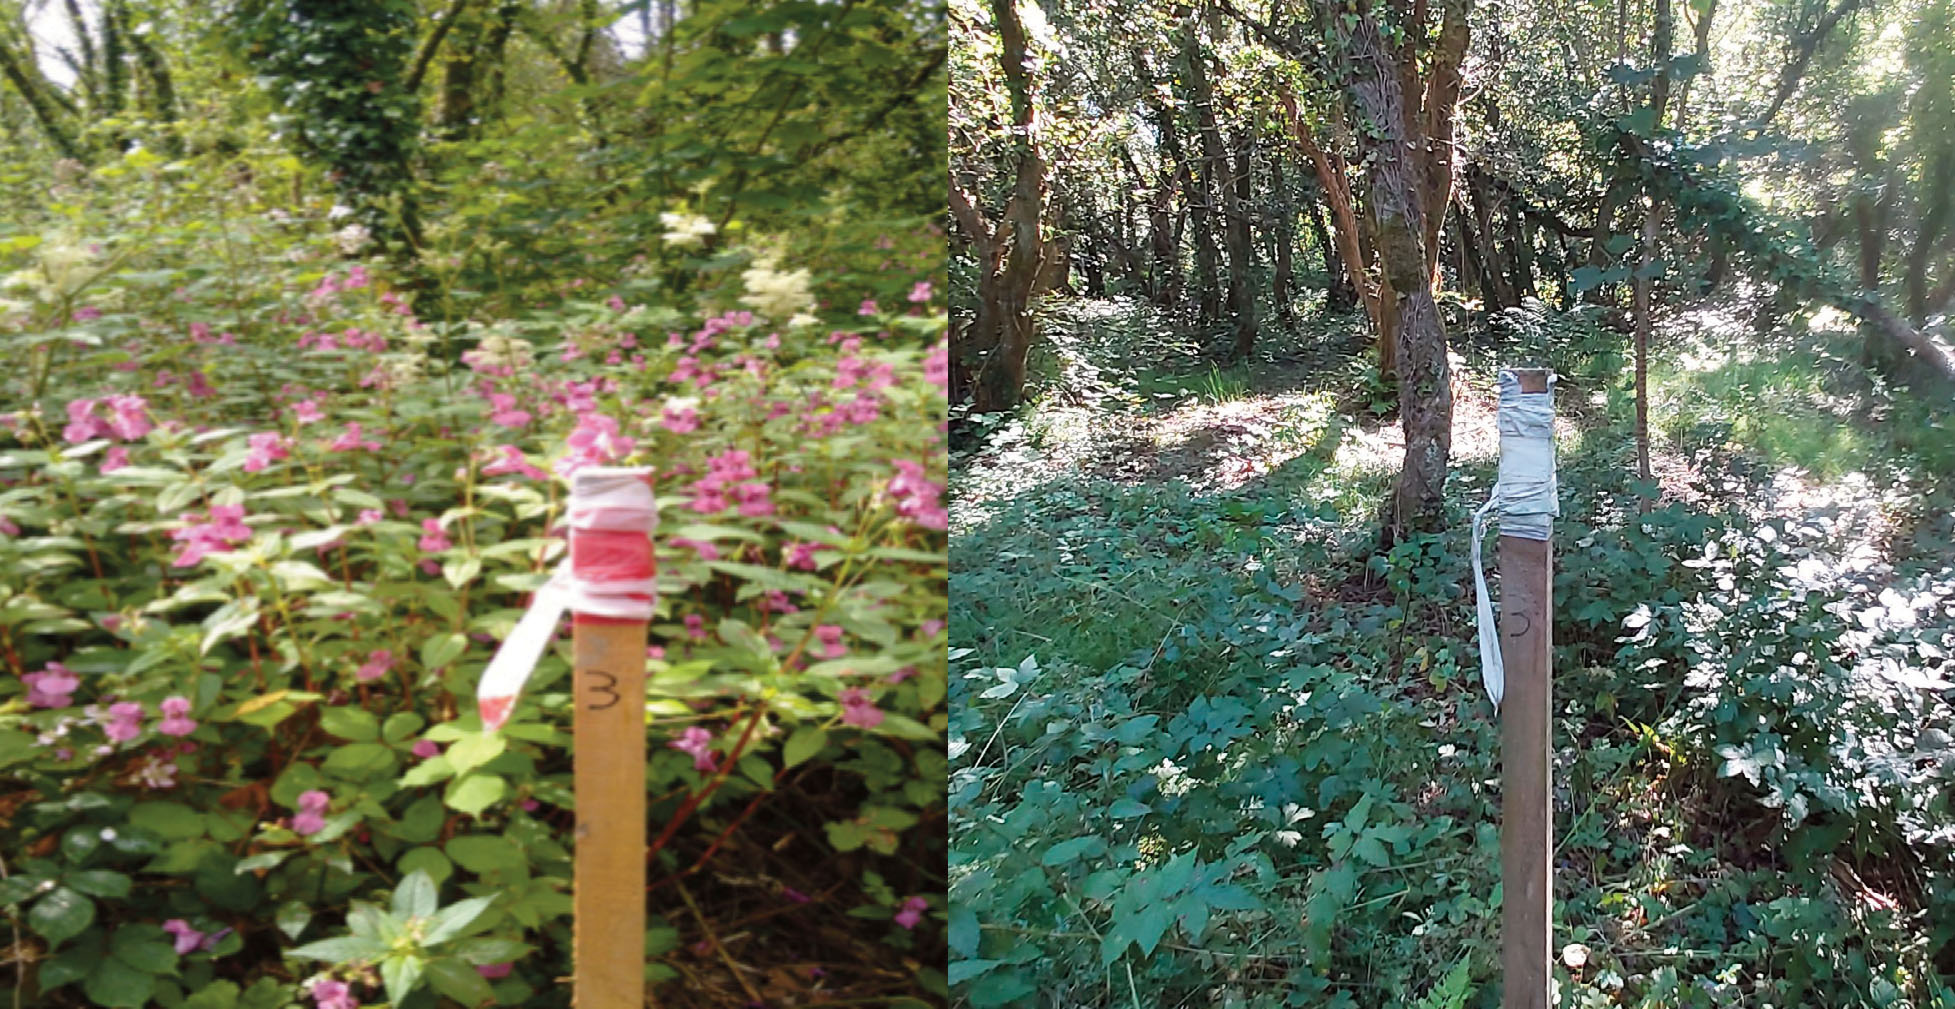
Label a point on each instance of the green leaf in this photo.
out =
(342, 949)
(216, 995)
(460, 571)
(292, 917)
(145, 947)
(119, 985)
(475, 793)
(401, 974)
(427, 860)
(400, 725)
(1067, 852)
(459, 981)
(486, 854)
(171, 821)
(349, 723)
(472, 751)
(61, 915)
(99, 883)
(806, 741)
(1127, 809)
(484, 950)
(437, 652)
(450, 921)
(415, 897)
(964, 932)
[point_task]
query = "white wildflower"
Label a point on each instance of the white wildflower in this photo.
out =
(685, 230)
(773, 293)
(352, 238)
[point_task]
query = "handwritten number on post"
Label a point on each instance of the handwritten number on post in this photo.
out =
(609, 687)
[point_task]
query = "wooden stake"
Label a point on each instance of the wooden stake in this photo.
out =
(609, 772)
(1526, 819)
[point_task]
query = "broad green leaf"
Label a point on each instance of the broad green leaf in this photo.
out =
(806, 741)
(61, 915)
(415, 897)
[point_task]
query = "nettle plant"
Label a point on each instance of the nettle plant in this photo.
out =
(257, 541)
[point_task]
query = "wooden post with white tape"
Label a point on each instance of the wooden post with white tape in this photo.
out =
(609, 545)
(1527, 649)
(609, 587)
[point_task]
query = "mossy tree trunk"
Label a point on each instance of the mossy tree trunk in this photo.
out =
(1425, 381)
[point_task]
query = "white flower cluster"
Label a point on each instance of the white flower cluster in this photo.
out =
(352, 238)
(775, 294)
(685, 230)
(497, 350)
(62, 269)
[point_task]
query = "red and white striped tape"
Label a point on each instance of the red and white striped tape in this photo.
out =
(608, 578)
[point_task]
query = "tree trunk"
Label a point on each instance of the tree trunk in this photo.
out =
(1335, 181)
(1339, 295)
(1641, 306)
(1802, 52)
(1242, 249)
(1701, 27)
(1441, 103)
(1870, 221)
(1520, 245)
(1941, 192)
(1222, 191)
(990, 368)
(1425, 382)
(1284, 235)
(1499, 268)
(27, 80)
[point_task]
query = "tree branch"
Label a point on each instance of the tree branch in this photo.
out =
(432, 43)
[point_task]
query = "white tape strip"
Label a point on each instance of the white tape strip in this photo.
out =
(612, 499)
(1525, 497)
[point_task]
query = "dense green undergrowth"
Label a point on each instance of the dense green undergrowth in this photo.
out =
(1206, 750)
(261, 527)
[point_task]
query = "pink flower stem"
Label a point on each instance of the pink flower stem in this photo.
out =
(692, 801)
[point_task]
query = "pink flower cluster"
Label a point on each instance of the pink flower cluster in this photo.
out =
(513, 461)
(729, 480)
(51, 687)
(331, 994)
(918, 498)
(503, 411)
(200, 333)
(352, 439)
(696, 742)
(433, 539)
(125, 721)
(128, 419)
(189, 939)
(377, 664)
(266, 447)
(936, 366)
(311, 817)
(912, 911)
(859, 710)
(224, 529)
(596, 442)
(176, 717)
